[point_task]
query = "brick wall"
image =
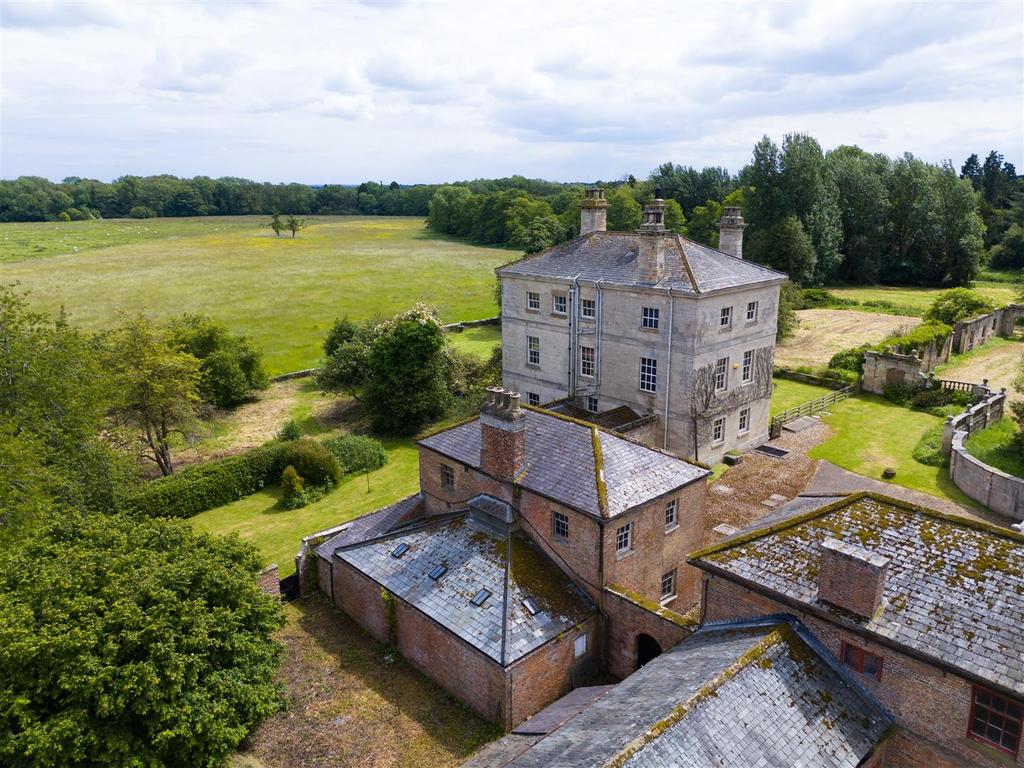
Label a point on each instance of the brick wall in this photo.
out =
(657, 550)
(270, 582)
(468, 483)
(625, 621)
(930, 705)
(577, 552)
(546, 674)
(851, 577)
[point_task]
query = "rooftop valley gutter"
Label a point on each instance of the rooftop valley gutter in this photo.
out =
(668, 368)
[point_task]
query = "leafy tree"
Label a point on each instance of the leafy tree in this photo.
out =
(157, 385)
(674, 218)
(358, 453)
(624, 212)
(346, 365)
(703, 224)
(864, 211)
(185, 202)
(54, 393)
(543, 232)
(409, 379)
(276, 224)
(159, 652)
(790, 300)
(231, 368)
(971, 170)
(958, 227)
(294, 224)
(521, 212)
(1009, 252)
(956, 304)
(786, 247)
(292, 484)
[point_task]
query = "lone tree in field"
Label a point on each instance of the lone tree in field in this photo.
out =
(159, 652)
(276, 224)
(157, 385)
(294, 225)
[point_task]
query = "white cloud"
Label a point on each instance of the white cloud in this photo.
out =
(434, 91)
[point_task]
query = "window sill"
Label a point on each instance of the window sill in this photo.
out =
(533, 311)
(649, 330)
(992, 753)
(560, 538)
(750, 323)
(533, 365)
(588, 318)
(671, 528)
(622, 554)
(718, 444)
(725, 329)
(647, 392)
(559, 314)
(666, 600)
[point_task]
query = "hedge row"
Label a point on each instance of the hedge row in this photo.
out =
(204, 487)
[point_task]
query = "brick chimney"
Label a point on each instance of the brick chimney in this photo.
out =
(650, 257)
(851, 577)
(730, 232)
(502, 434)
(593, 212)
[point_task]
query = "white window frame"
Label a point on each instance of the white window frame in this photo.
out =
(624, 539)
(533, 350)
(725, 317)
(587, 364)
(588, 304)
(721, 374)
(744, 425)
(532, 398)
(533, 301)
(671, 577)
(579, 646)
(555, 297)
(592, 406)
(447, 477)
(718, 431)
(748, 367)
(648, 374)
(672, 514)
(650, 318)
(752, 307)
(556, 518)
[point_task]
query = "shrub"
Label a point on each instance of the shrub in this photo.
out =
(141, 212)
(311, 460)
(841, 375)
(927, 399)
(899, 392)
(64, 216)
(814, 298)
(357, 453)
(958, 304)
(919, 338)
(790, 300)
(231, 367)
(928, 450)
(291, 483)
(210, 485)
(290, 431)
(849, 360)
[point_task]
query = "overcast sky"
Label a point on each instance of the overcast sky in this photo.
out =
(436, 91)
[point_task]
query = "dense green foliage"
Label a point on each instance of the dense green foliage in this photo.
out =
(54, 394)
(357, 453)
(213, 484)
(849, 360)
(158, 652)
(956, 304)
(789, 302)
(345, 367)
(230, 367)
(918, 338)
(928, 450)
(314, 463)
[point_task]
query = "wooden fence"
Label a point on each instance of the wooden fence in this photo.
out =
(810, 408)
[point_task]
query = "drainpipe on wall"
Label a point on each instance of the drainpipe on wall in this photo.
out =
(574, 325)
(668, 367)
(597, 337)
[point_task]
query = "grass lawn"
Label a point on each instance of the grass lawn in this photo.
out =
(787, 394)
(284, 293)
(276, 531)
(479, 340)
(871, 434)
(353, 701)
(991, 446)
(914, 300)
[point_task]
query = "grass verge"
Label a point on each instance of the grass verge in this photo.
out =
(992, 446)
(479, 340)
(787, 394)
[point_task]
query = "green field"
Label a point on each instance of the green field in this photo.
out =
(991, 446)
(284, 293)
(915, 301)
(479, 340)
(787, 394)
(871, 433)
(277, 532)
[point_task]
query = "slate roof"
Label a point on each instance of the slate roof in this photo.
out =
(755, 693)
(611, 257)
(561, 465)
(372, 525)
(954, 588)
(509, 565)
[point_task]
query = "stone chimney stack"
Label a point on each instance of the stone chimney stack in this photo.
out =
(502, 434)
(730, 232)
(851, 577)
(650, 257)
(593, 212)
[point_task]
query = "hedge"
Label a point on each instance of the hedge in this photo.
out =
(210, 485)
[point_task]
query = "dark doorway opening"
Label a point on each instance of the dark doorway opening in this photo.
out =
(647, 648)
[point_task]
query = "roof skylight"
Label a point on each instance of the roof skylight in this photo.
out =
(437, 572)
(400, 550)
(480, 597)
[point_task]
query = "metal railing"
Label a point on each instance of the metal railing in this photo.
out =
(808, 409)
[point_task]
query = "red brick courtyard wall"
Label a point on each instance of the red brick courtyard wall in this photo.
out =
(930, 705)
(625, 622)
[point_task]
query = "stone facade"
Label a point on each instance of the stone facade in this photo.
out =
(931, 705)
(587, 337)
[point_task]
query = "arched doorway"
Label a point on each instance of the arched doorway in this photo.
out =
(647, 648)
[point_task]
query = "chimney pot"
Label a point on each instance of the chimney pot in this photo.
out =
(730, 232)
(502, 435)
(593, 212)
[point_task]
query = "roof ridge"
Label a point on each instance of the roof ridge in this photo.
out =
(428, 522)
(686, 265)
(602, 488)
(844, 502)
(731, 256)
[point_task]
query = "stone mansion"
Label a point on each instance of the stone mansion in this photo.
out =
(646, 332)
